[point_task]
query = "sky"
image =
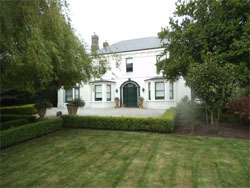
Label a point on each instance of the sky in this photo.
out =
(117, 20)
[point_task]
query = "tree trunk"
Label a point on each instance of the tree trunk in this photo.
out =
(206, 115)
(218, 117)
(212, 116)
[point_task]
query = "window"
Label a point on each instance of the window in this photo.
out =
(98, 92)
(171, 90)
(160, 67)
(108, 92)
(68, 95)
(159, 90)
(77, 93)
(149, 91)
(129, 65)
(158, 58)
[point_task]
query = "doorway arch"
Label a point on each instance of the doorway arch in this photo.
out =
(129, 95)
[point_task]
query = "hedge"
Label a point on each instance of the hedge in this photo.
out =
(13, 123)
(10, 117)
(30, 131)
(119, 123)
(27, 109)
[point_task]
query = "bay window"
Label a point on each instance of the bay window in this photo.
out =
(159, 90)
(98, 92)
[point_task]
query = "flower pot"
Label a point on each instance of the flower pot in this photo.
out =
(116, 103)
(140, 103)
(41, 112)
(72, 109)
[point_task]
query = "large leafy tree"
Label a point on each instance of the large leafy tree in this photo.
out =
(39, 49)
(199, 27)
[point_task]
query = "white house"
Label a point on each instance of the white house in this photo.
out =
(135, 76)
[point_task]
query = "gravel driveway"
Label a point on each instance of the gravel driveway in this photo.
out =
(128, 112)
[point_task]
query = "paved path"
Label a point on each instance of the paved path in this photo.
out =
(129, 112)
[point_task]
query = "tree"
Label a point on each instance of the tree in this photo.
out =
(39, 49)
(220, 27)
(214, 82)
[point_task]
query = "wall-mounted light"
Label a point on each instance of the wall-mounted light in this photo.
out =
(116, 90)
(143, 89)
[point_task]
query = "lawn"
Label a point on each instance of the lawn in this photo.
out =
(96, 158)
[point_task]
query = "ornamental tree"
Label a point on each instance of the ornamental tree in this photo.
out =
(220, 27)
(39, 49)
(214, 82)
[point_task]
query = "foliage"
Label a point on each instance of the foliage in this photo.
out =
(213, 82)
(42, 104)
(117, 99)
(241, 108)
(13, 123)
(169, 113)
(10, 117)
(26, 132)
(119, 123)
(188, 113)
(78, 102)
(39, 49)
(27, 109)
(207, 26)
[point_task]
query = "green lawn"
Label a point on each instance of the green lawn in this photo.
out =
(96, 158)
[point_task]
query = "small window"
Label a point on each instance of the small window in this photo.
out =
(108, 92)
(98, 92)
(129, 65)
(171, 90)
(77, 93)
(159, 90)
(149, 91)
(68, 95)
(158, 58)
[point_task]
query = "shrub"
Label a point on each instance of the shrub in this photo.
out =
(169, 113)
(13, 123)
(43, 104)
(188, 112)
(78, 102)
(10, 117)
(241, 109)
(26, 132)
(27, 109)
(119, 123)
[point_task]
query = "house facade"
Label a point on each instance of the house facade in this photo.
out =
(132, 75)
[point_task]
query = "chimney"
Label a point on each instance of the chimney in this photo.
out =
(105, 44)
(94, 42)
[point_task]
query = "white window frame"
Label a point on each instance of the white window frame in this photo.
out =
(98, 92)
(108, 92)
(156, 97)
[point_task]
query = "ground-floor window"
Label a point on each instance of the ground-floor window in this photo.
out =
(68, 95)
(171, 90)
(77, 93)
(159, 90)
(108, 92)
(98, 92)
(149, 91)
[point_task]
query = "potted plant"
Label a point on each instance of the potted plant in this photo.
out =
(141, 102)
(117, 102)
(42, 106)
(73, 106)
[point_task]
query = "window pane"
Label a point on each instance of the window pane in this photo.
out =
(108, 88)
(98, 88)
(68, 95)
(98, 95)
(159, 93)
(129, 60)
(171, 90)
(108, 96)
(159, 85)
(129, 65)
(77, 93)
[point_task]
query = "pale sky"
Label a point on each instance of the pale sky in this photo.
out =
(116, 20)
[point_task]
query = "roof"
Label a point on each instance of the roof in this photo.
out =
(156, 78)
(132, 45)
(100, 81)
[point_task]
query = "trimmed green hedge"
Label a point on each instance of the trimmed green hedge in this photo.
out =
(119, 123)
(27, 109)
(26, 132)
(13, 123)
(10, 117)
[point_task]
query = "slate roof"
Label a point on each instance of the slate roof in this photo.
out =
(132, 45)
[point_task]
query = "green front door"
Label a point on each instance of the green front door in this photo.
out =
(130, 95)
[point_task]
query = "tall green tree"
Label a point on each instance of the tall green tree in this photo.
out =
(199, 27)
(39, 49)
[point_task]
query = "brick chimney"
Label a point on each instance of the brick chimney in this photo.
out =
(94, 42)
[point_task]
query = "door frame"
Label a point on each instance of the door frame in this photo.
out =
(121, 90)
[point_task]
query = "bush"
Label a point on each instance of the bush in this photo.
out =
(26, 132)
(13, 123)
(189, 113)
(119, 123)
(27, 109)
(43, 104)
(10, 117)
(169, 113)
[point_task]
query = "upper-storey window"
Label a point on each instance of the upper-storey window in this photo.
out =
(129, 65)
